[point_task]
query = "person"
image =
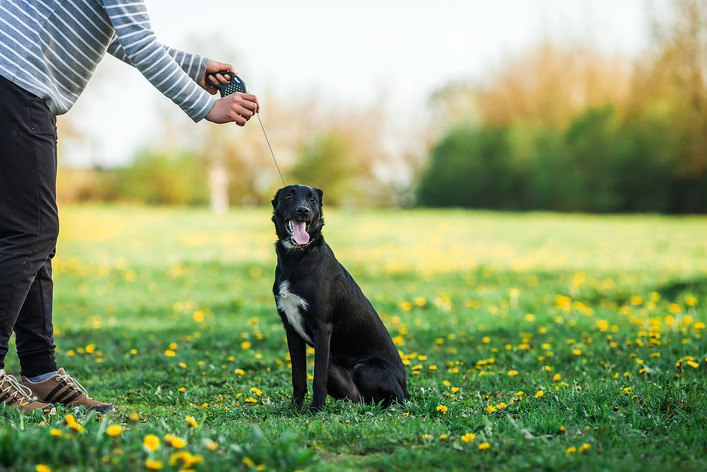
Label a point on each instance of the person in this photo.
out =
(48, 52)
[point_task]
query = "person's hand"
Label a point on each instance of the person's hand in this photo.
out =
(237, 107)
(212, 78)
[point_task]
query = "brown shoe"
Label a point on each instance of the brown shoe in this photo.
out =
(64, 390)
(15, 395)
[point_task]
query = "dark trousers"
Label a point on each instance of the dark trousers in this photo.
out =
(29, 226)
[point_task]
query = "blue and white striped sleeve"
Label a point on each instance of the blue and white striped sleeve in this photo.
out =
(140, 46)
(193, 64)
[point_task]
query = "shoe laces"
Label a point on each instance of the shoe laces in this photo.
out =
(19, 389)
(73, 382)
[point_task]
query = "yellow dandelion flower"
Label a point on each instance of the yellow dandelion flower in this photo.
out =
(577, 352)
(198, 316)
(114, 430)
(584, 447)
(248, 462)
(485, 340)
(183, 365)
(693, 364)
(245, 345)
(556, 377)
(484, 446)
(251, 400)
(187, 459)
(512, 373)
(174, 441)
(55, 433)
(151, 442)
(490, 409)
(563, 430)
(133, 351)
(172, 346)
(432, 367)
(192, 422)
(170, 353)
(42, 468)
(442, 409)
(570, 450)
(153, 464)
(539, 394)
(468, 437)
(256, 391)
(73, 424)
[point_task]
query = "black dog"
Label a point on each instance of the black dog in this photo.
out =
(321, 305)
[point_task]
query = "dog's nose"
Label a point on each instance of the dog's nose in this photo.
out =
(303, 210)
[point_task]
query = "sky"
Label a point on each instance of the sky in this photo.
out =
(392, 52)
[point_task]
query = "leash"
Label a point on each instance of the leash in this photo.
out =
(236, 84)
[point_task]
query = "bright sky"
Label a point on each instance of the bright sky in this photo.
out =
(348, 52)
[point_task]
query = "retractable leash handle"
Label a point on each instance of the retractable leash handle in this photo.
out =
(236, 85)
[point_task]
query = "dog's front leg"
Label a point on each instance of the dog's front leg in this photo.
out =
(298, 356)
(322, 337)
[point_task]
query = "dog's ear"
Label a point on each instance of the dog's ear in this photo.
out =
(320, 194)
(276, 198)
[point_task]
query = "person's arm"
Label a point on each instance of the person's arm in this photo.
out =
(193, 65)
(142, 50)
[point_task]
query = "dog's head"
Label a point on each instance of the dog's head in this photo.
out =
(297, 214)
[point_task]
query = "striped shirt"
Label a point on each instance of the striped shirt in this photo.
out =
(52, 47)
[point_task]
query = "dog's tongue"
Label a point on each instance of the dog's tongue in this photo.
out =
(299, 232)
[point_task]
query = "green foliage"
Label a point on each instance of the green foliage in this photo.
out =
(181, 322)
(598, 163)
(584, 132)
(326, 163)
(164, 179)
(469, 168)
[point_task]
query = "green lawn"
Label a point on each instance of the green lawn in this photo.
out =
(532, 341)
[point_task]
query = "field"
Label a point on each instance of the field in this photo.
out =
(532, 342)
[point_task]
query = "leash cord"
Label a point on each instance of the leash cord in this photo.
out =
(271, 151)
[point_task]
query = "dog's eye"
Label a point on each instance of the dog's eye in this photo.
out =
(312, 199)
(289, 196)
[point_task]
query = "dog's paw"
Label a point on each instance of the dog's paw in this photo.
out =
(315, 408)
(297, 401)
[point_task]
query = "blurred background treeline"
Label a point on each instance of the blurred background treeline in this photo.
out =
(558, 126)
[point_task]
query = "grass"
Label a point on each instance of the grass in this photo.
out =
(532, 341)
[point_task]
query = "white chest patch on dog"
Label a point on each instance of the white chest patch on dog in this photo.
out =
(293, 305)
